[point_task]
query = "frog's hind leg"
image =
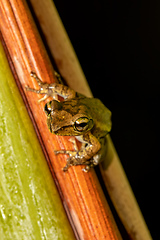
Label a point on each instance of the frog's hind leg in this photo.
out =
(98, 157)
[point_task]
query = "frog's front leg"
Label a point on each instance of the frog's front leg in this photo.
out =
(90, 146)
(51, 90)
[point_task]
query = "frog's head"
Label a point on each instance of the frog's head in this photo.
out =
(68, 118)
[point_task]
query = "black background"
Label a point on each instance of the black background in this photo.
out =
(118, 46)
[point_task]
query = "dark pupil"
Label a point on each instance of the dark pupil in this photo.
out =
(82, 125)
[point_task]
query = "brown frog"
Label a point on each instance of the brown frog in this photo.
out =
(85, 118)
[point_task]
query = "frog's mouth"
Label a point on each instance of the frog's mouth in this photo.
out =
(66, 131)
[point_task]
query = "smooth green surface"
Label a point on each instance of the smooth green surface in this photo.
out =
(30, 207)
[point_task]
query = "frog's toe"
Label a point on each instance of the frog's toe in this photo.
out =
(68, 152)
(43, 98)
(86, 169)
(90, 164)
(69, 164)
(66, 167)
(59, 151)
(96, 159)
(62, 151)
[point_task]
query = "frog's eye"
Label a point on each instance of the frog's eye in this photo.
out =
(83, 124)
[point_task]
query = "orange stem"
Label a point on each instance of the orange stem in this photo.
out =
(81, 192)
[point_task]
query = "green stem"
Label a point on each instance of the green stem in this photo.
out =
(30, 207)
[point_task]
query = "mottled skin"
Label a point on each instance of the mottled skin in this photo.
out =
(85, 118)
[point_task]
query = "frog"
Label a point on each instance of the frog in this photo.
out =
(85, 119)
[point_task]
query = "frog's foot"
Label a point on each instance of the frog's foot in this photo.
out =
(75, 160)
(44, 88)
(68, 152)
(90, 164)
(71, 161)
(39, 91)
(71, 153)
(40, 83)
(69, 164)
(94, 161)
